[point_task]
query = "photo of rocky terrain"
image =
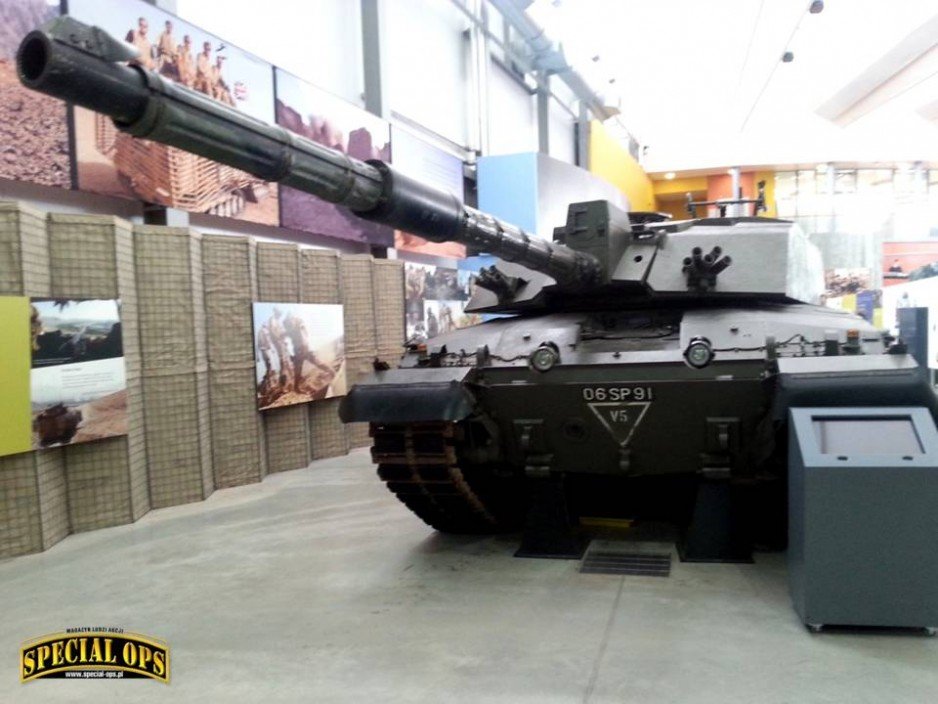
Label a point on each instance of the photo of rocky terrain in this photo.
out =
(315, 114)
(33, 127)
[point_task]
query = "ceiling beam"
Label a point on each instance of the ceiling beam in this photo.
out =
(909, 63)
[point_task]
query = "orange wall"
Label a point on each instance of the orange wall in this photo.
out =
(911, 255)
(721, 186)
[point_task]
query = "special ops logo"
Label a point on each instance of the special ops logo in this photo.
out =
(98, 653)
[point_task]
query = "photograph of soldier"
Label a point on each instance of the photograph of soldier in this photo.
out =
(114, 164)
(204, 71)
(433, 323)
(300, 353)
(138, 37)
(221, 91)
(281, 345)
(467, 283)
(33, 127)
(185, 62)
(166, 53)
(78, 385)
(315, 114)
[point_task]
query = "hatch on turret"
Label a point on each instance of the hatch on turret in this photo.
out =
(599, 228)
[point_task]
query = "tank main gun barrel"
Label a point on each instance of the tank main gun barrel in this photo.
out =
(87, 67)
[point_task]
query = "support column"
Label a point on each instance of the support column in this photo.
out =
(734, 176)
(543, 112)
(583, 136)
(479, 52)
(374, 58)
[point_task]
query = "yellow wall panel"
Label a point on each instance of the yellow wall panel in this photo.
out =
(612, 162)
(15, 361)
(680, 186)
(676, 209)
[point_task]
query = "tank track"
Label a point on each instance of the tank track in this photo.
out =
(419, 464)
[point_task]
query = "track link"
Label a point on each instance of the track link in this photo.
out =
(419, 464)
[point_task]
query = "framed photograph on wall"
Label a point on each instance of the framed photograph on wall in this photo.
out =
(78, 383)
(34, 136)
(435, 299)
(299, 353)
(315, 114)
(113, 163)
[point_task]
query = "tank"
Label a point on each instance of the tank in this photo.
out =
(641, 368)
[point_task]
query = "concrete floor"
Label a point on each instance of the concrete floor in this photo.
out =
(317, 585)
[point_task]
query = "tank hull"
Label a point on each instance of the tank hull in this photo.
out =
(631, 426)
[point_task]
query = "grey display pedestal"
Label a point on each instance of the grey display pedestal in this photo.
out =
(863, 517)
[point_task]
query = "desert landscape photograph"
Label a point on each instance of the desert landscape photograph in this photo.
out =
(33, 127)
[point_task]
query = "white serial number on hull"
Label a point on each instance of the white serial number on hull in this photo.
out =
(617, 393)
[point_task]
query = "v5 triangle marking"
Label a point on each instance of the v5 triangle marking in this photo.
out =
(620, 419)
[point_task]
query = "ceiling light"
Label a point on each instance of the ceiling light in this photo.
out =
(670, 175)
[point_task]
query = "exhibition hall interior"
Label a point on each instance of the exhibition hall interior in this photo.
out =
(469, 351)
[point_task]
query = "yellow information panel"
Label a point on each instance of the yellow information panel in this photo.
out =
(15, 353)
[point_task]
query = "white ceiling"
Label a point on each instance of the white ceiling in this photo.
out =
(702, 84)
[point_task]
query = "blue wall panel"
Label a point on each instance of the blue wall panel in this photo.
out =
(508, 188)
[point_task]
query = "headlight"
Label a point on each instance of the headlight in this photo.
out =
(544, 357)
(699, 353)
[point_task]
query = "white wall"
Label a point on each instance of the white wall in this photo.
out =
(428, 65)
(559, 184)
(562, 144)
(512, 118)
(318, 40)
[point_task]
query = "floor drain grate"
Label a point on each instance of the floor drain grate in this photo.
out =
(643, 564)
